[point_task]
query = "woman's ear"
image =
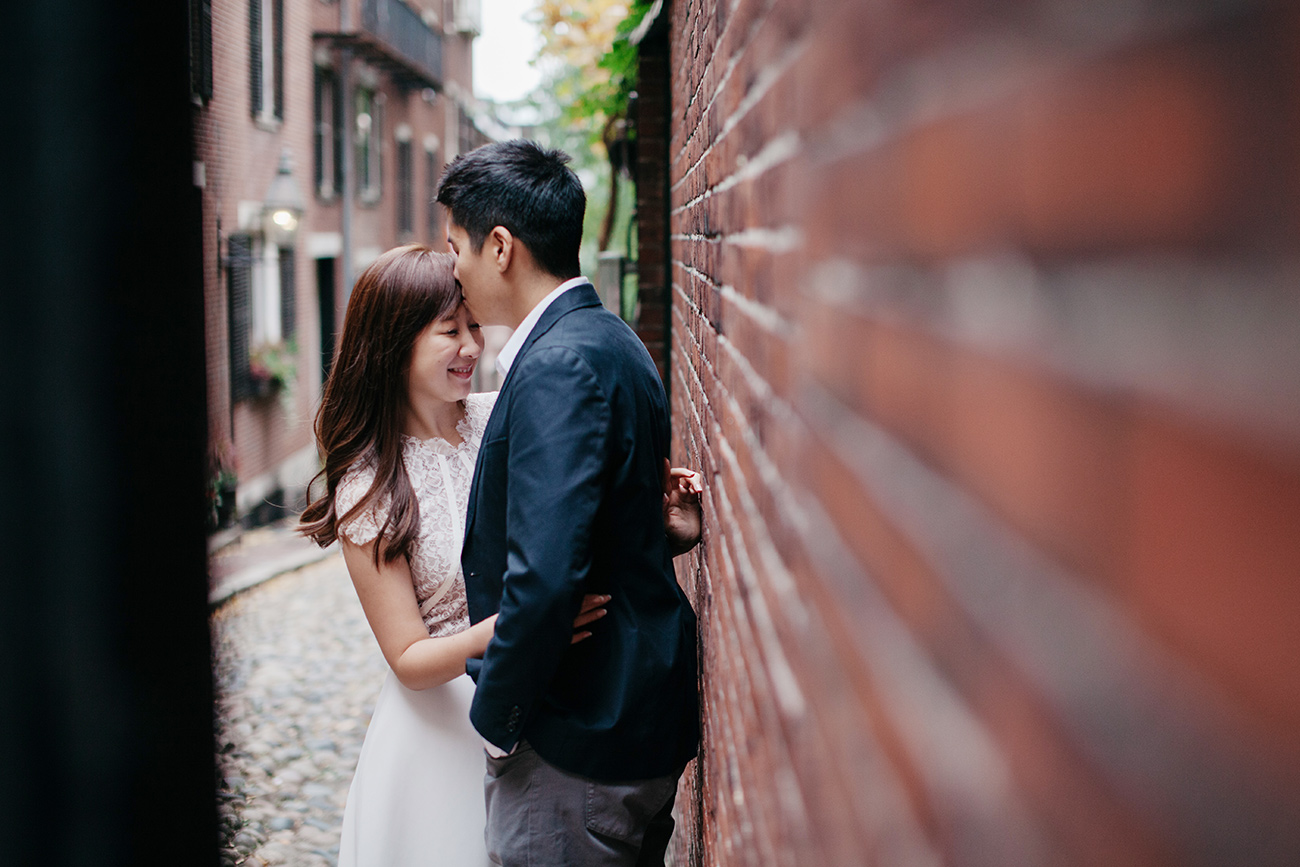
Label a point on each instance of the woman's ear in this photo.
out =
(503, 247)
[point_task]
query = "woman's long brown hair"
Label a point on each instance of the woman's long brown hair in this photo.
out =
(361, 413)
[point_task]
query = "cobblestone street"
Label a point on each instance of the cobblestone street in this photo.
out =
(297, 673)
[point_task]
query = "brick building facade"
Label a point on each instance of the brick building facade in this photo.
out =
(367, 99)
(984, 328)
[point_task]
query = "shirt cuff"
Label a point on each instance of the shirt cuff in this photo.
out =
(495, 751)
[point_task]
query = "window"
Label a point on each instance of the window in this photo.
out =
(464, 131)
(266, 58)
(405, 183)
(468, 16)
(201, 48)
(266, 324)
(467, 135)
(433, 225)
(262, 304)
(369, 124)
(329, 134)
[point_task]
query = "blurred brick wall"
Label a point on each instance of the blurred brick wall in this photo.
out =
(986, 331)
(240, 158)
(240, 155)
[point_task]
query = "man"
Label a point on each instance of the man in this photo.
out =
(585, 740)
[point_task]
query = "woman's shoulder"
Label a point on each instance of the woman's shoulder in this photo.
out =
(353, 487)
(482, 402)
(356, 481)
(478, 409)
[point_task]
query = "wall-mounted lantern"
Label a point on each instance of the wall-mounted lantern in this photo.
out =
(283, 207)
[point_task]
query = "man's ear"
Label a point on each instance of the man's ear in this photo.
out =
(503, 247)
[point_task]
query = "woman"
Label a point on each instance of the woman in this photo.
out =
(400, 431)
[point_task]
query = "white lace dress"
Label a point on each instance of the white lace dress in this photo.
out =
(417, 795)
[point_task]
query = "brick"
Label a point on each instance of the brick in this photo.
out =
(1215, 548)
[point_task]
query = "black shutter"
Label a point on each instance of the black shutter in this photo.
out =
(201, 48)
(277, 47)
(239, 270)
(205, 37)
(288, 294)
(405, 189)
(377, 143)
(431, 197)
(255, 55)
(339, 119)
(318, 140)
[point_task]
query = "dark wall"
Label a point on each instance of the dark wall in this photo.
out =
(651, 117)
(105, 682)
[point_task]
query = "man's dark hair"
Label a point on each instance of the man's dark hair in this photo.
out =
(528, 189)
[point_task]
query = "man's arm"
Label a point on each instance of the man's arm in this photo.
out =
(558, 428)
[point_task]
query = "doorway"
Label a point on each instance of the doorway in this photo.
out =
(325, 296)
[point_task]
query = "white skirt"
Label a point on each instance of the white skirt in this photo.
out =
(417, 796)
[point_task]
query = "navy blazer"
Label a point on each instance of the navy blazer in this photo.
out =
(567, 500)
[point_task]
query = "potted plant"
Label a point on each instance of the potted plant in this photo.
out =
(273, 368)
(222, 483)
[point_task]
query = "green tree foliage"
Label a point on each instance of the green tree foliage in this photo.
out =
(588, 75)
(595, 72)
(594, 68)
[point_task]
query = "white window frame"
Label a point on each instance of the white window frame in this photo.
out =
(370, 126)
(328, 83)
(266, 114)
(265, 326)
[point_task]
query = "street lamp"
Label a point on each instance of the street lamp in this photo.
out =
(283, 207)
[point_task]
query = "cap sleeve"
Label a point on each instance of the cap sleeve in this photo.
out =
(364, 527)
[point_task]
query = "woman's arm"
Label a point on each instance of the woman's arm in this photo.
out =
(388, 598)
(419, 660)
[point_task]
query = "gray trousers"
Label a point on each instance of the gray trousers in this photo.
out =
(541, 816)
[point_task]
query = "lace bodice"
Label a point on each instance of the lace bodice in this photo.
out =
(440, 475)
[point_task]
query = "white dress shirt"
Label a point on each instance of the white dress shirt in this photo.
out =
(506, 356)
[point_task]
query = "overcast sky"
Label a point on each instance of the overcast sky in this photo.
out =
(502, 51)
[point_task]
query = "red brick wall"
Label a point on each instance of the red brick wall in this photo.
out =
(986, 331)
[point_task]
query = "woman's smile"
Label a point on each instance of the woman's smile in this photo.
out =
(444, 357)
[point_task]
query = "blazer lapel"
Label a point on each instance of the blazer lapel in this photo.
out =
(582, 295)
(472, 506)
